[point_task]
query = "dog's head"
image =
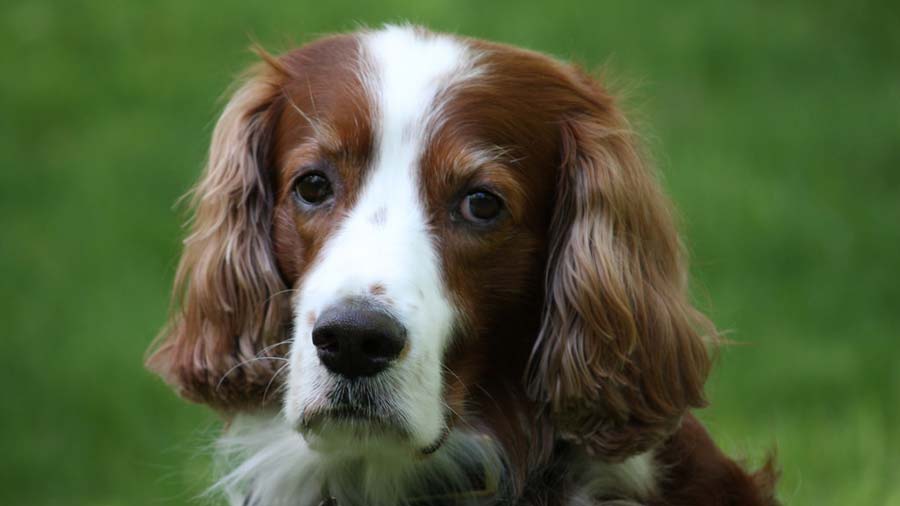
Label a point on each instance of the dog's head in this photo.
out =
(398, 232)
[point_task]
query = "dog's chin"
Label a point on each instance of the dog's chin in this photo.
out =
(352, 431)
(350, 424)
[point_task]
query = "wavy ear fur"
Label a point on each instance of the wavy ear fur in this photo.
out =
(229, 299)
(620, 356)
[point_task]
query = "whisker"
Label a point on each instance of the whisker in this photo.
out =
(320, 129)
(450, 409)
(312, 98)
(267, 348)
(280, 292)
(488, 394)
(463, 383)
(269, 384)
(243, 363)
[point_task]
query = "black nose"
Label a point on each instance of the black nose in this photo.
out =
(355, 338)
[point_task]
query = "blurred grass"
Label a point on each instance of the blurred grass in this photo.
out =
(776, 126)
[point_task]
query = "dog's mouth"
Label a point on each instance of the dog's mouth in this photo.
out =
(359, 420)
(354, 414)
(360, 406)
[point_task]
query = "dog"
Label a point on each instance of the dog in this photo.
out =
(427, 269)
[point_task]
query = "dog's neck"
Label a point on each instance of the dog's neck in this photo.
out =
(271, 465)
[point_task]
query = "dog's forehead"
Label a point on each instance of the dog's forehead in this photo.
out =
(406, 71)
(353, 94)
(323, 96)
(427, 84)
(373, 94)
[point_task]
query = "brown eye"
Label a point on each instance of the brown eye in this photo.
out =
(480, 206)
(313, 188)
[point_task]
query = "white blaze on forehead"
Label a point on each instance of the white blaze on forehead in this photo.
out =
(385, 239)
(408, 70)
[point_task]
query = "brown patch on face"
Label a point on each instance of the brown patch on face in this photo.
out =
(325, 126)
(585, 268)
(498, 132)
(583, 213)
(311, 319)
(377, 289)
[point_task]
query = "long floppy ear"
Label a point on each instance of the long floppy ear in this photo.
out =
(228, 299)
(621, 355)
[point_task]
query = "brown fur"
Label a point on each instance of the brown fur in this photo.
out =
(633, 359)
(229, 302)
(697, 473)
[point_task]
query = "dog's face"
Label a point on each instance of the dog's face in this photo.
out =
(429, 231)
(412, 222)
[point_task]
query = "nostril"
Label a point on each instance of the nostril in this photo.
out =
(325, 341)
(382, 347)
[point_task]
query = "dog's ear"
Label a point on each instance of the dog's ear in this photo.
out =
(229, 300)
(621, 354)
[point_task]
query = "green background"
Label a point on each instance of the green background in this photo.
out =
(776, 126)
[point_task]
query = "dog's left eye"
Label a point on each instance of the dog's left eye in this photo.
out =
(480, 206)
(313, 188)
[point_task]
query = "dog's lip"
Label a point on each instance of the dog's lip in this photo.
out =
(346, 413)
(437, 444)
(359, 417)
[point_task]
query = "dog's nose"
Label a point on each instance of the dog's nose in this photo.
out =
(355, 338)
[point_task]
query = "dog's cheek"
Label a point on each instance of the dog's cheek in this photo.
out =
(287, 244)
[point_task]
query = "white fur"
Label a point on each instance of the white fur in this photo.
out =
(272, 464)
(385, 239)
(266, 457)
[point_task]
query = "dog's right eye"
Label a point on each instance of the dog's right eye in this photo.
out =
(313, 188)
(481, 207)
